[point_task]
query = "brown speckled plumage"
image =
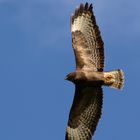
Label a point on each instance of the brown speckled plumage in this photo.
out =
(89, 76)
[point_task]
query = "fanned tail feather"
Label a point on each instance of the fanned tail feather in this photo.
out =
(114, 79)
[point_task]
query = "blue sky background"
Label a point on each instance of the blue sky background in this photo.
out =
(36, 54)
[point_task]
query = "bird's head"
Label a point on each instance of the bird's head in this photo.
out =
(71, 77)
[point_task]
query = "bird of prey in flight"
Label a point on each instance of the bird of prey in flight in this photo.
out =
(89, 76)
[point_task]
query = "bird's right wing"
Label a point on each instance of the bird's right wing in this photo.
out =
(85, 113)
(86, 40)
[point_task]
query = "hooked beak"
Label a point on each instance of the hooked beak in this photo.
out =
(66, 78)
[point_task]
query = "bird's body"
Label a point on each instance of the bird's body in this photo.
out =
(86, 76)
(89, 76)
(112, 78)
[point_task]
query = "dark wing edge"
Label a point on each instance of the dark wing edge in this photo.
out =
(85, 113)
(86, 39)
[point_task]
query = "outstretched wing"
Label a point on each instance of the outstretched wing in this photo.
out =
(85, 112)
(86, 40)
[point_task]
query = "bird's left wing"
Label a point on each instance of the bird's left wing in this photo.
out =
(86, 39)
(85, 112)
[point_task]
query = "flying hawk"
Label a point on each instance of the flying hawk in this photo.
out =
(89, 75)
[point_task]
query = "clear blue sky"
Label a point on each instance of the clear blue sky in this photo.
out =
(36, 54)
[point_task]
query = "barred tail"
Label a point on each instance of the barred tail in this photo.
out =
(114, 79)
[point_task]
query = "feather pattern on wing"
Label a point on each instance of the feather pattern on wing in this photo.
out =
(86, 40)
(85, 112)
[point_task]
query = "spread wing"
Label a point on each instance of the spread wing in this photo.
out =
(85, 112)
(86, 40)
